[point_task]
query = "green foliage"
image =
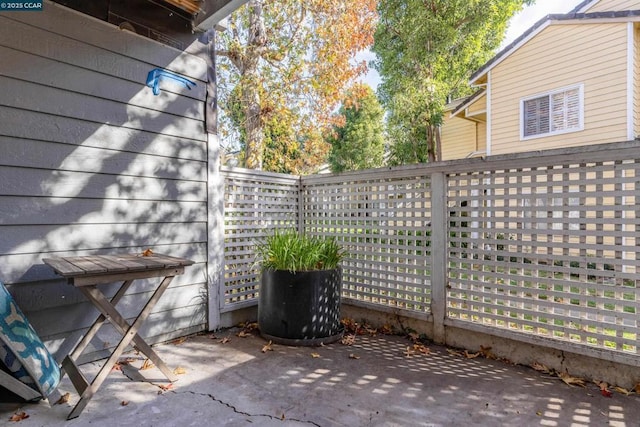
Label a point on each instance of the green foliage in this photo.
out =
(282, 68)
(359, 143)
(295, 252)
(426, 52)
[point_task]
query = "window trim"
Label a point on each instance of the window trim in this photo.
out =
(580, 126)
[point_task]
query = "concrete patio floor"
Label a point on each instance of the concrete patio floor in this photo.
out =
(370, 383)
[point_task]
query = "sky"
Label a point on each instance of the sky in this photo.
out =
(518, 25)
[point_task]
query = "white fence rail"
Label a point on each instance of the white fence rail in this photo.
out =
(540, 247)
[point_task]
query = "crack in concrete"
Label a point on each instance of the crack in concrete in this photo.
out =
(237, 411)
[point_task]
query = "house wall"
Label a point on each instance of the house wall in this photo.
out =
(458, 137)
(91, 162)
(613, 5)
(556, 58)
(636, 79)
(479, 106)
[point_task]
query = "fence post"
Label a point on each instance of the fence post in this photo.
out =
(439, 250)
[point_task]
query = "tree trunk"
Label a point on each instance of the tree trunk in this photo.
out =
(251, 102)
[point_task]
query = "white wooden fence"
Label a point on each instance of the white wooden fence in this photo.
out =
(538, 247)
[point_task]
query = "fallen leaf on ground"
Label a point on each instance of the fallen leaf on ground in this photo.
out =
(63, 399)
(421, 349)
(267, 347)
(409, 351)
(179, 371)
(243, 334)
(19, 416)
(604, 388)
(315, 355)
(147, 364)
(637, 388)
(471, 355)
(147, 252)
(413, 336)
(486, 352)
(165, 387)
(179, 341)
(622, 390)
(454, 353)
(124, 403)
(225, 340)
(117, 367)
(348, 339)
(354, 356)
(540, 367)
(212, 337)
(386, 330)
(569, 380)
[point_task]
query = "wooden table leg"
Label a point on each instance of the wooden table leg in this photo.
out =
(77, 351)
(109, 311)
(121, 325)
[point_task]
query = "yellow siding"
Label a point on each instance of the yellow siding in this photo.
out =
(560, 56)
(479, 106)
(613, 5)
(482, 137)
(458, 137)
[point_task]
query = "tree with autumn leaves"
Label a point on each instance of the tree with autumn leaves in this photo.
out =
(283, 67)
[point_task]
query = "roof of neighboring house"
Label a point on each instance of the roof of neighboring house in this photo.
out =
(465, 102)
(547, 20)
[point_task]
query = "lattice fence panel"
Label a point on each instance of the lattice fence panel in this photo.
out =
(255, 204)
(551, 251)
(384, 222)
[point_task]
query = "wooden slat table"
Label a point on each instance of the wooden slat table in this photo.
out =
(86, 273)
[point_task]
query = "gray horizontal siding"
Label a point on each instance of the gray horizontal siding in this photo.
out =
(92, 162)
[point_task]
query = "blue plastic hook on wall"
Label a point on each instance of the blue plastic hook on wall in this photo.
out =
(157, 74)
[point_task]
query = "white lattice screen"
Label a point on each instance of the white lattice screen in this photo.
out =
(255, 204)
(545, 246)
(549, 250)
(384, 223)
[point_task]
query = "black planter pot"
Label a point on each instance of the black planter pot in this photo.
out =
(301, 308)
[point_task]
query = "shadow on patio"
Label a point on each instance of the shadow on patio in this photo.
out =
(371, 382)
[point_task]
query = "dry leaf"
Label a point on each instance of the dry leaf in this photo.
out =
(486, 352)
(569, 380)
(63, 399)
(243, 334)
(225, 340)
(637, 388)
(117, 367)
(348, 339)
(386, 330)
(413, 336)
(147, 252)
(354, 356)
(179, 341)
(267, 347)
(604, 389)
(165, 387)
(622, 390)
(408, 352)
(421, 349)
(540, 367)
(471, 355)
(124, 403)
(19, 416)
(315, 355)
(454, 353)
(147, 364)
(179, 371)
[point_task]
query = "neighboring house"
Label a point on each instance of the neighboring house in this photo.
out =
(571, 79)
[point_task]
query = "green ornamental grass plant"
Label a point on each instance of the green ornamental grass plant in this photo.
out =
(295, 252)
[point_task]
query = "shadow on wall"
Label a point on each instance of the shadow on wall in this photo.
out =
(93, 162)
